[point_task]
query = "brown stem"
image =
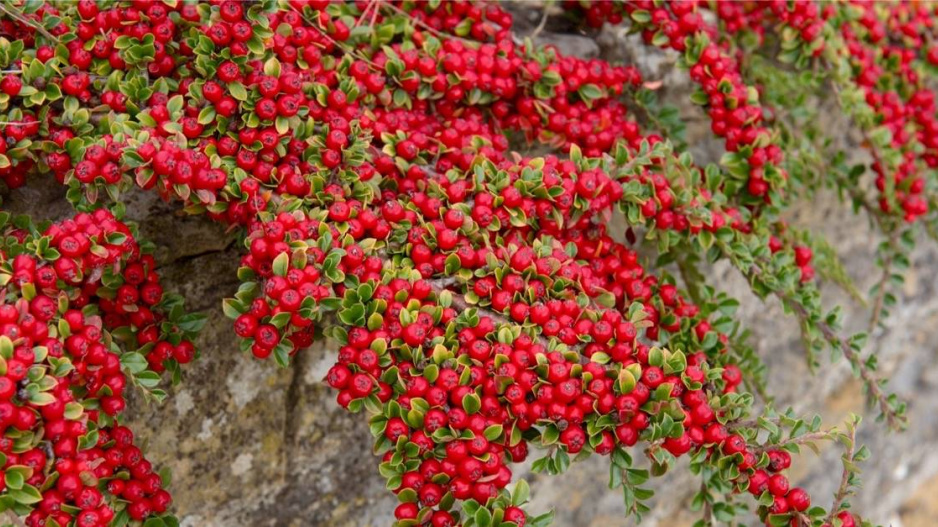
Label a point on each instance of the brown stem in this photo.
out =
(859, 197)
(888, 260)
(800, 440)
(14, 13)
(845, 478)
(707, 507)
(750, 423)
(880, 293)
(459, 303)
(429, 28)
(14, 519)
(894, 420)
(361, 16)
(543, 23)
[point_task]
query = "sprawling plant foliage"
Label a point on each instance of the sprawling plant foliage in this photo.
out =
(483, 307)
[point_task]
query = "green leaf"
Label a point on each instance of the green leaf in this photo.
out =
(520, 495)
(589, 93)
(375, 321)
(192, 323)
(26, 495)
(656, 357)
(133, 362)
(272, 67)
(641, 16)
(207, 115)
(16, 476)
(544, 520)
(232, 308)
(281, 264)
(282, 125)
(74, 411)
(471, 403)
(401, 98)
(42, 399)
(238, 91)
(550, 435)
(174, 105)
(483, 517)
(627, 381)
(452, 264)
(6, 347)
(493, 432)
(282, 354)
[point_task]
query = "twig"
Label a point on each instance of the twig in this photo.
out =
(421, 23)
(707, 507)
(340, 45)
(859, 197)
(893, 418)
(374, 14)
(14, 519)
(877, 157)
(888, 260)
(800, 440)
(689, 275)
(540, 27)
(439, 285)
(895, 421)
(361, 16)
(16, 15)
(844, 487)
(750, 423)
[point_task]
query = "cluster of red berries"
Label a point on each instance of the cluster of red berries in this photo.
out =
(21, 126)
(885, 69)
(732, 105)
(595, 13)
(76, 295)
(99, 161)
(769, 479)
(130, 298)
(803, 257)
(806, 17)
(100, 30)
(734, 111)
(91, 479)
(483, 382)
(594, 120)
(294, 279)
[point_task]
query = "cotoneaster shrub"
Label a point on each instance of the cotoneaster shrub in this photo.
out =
(482, 309)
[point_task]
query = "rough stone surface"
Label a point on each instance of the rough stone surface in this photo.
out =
(253, 445)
